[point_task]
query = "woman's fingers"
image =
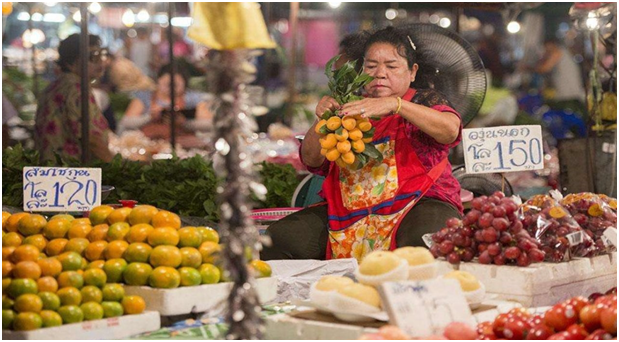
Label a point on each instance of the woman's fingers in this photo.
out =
(325, 104)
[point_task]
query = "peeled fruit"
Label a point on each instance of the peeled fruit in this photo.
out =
(341, 135)
(349, 123)
(334, 123)
(364, 293)
(365, 126)
(358, 146)
(332, 283)
(415, 256)
(328, 142)
(343, 146)
(468, 282)
(319, 125)
(379, 262)
(355, 134)
(348, 158)
(332, 154)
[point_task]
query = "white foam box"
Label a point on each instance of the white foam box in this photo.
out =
(195, 299)
(545, 284)
(285, 327)
(102, 329)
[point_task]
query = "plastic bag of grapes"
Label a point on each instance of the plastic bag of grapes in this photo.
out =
(556, 230)
(594, 213)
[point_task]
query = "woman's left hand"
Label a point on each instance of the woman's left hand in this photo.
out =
(371, 107)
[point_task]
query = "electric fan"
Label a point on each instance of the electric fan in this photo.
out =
(482, 184)
(451, 66)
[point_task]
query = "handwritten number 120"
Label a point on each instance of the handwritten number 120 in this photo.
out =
(90, 193)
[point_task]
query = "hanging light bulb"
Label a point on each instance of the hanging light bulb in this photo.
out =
(128, 18)
(391, 13)
(94, 8)
(143, 16)
(513, 27)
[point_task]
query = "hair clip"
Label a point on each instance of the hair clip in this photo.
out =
(412, 44)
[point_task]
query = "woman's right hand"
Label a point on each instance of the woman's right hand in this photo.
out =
(325, 104)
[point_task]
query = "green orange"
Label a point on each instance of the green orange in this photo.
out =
(261, 268)
(166, 219)
(18, 287)
(98, 215)
(28, 302)
(50, 267)
(165, 277)
(31, 224)
(38, 240)
(191, 257)
(70, 279)
(209, 234)
(91, 294)
(189, 237)
(112, 309)
(163, 236)
(12, 239)
(27, 321)
(166, 256)
(114, 269)
(92, 311)
(189, 276)
(69, 296)
(137, 252)
(117, 231)
(115, 249)
(133, 305)
(71, 314)
(50, 300)
(96, 264)
(95, 250)
(56, 228)
(55, 247)
(118, 215)
(71, 261)
(210, 252)
(113, 292)
(137, 273)
(139, 233)
(77, 245)
(95, 277)
(8, 316)
(142, 214)
(50, 319)
(48, 284)
(209, 273)
(25, 253)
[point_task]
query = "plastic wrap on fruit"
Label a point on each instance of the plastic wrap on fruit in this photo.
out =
(556, 230)
(594, 213)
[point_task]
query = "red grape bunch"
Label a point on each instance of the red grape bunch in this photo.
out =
(491, 231)
(594, 213)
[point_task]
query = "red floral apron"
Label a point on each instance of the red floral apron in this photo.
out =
(365, 206)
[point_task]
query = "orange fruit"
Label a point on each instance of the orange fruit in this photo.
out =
(47, 284)
(69, 296)
(209, 273)
(92, 311)
(332, 154)
(38, 240)
(79, 231)
(189, 237)
(8, 316)
(5, 217)
(165, 278)
(115, 249)
(137, 273)
(133, 305)
(166, 219)
(191, 257)
(12, 223)
(118, 215)
(117, 231)
(67, 217)
(339, 162)
(50, 300)
(31, 224)
(358, 146)
(91, 294)
(28, 302)
(114, 269)
(71, 261)
(139, 233)
(11, 239)
(7, 268)
(56, 228)
(27, 269)
(137, 252)
(343, 146)
(163, 236)
(7, 252)
(328, 142)
(323, 152)
(55, 247)
(348, 158)
(77, 245)
(26, 253)
(334, 123)
(113, 292)
(142, 214)
(18, 287)
(5, 283)
(261, 269)
(112, 309)
(7, 303)
(50, 267)
(341, 135)
(84, 266)
(367, 140)
(349, 123)
(365, 126)
(70, 279)
(81, 221)
(95, 277)
(319, 125)
(98, 215)
(98, 233)
(210, 252)
(50, 319)
(95, 250)
(209, 234)
(71, 314)
(355, 134)
(166, 256)
(96, 264)
(189, 276)
(27, 321)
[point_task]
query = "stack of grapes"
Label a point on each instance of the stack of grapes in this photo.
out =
(491, 231)
(594, 213)
(552, 225)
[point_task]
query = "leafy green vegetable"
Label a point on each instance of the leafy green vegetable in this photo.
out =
(281, 181)
(345, 81)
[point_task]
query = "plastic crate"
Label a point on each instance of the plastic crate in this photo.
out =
(272, 214)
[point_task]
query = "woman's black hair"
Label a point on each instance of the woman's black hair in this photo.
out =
(397, 38)
(179, 69)
(353, 46)
(69, 50)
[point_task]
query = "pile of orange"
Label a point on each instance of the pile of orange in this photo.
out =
(345, 139)
(46, 281)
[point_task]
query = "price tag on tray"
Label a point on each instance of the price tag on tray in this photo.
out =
(61, 189)
(424, 308)
(503, 149)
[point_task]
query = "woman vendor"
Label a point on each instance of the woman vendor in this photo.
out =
(387, 204)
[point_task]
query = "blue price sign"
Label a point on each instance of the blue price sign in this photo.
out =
(503, 149)
(61, 189)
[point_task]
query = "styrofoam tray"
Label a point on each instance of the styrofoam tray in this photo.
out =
(284, 327)
(194, 299)
(102, 329)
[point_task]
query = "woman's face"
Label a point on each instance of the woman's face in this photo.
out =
(392, 77)
(163, 83)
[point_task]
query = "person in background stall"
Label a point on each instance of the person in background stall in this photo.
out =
(58, 122)
(383, 205)
(140, 51)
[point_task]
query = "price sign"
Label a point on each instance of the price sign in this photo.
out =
(61, 189)
(503, 149)
(424, 308)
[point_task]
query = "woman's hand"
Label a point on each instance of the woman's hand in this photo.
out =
(155, 111)
(325, 104)
(371, 107)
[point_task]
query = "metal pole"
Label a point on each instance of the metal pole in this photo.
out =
(85, 82)
(35, 75)
(172, 72)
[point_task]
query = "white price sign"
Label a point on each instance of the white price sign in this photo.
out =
(61, 189)
(503, 149)
(424, 308)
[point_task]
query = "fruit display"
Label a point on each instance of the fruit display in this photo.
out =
(381, 266)
(421, 263)
(554, 227)
(490, 231)
(346, 140)
(594, 213)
